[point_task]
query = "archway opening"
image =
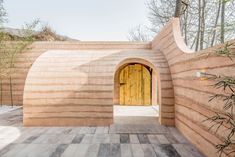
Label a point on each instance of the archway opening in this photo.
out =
(135, 85)
(136, 91)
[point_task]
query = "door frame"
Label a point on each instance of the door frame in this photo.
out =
(155, 80)
(149, 71)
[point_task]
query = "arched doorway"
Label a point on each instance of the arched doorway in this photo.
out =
(137, 81)
(135, 85)
(155, 86)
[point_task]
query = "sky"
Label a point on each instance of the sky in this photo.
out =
(86, 20)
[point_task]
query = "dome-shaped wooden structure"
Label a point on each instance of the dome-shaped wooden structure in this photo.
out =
(78, 83)
(81, 87)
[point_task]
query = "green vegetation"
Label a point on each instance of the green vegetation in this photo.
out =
(224, 119)
(9, 53)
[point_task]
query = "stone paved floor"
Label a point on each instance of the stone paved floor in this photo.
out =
(128, 137)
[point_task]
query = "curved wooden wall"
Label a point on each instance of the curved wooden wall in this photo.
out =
(161, 78)
(187, 103)
(69, 88)
(26, 59)
(192, 93)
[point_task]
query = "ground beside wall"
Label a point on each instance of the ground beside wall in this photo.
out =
(192, 93)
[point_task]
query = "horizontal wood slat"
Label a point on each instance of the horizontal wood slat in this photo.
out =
(192, 93)
(83, 80)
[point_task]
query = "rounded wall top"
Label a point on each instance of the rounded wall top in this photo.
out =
(179, 40)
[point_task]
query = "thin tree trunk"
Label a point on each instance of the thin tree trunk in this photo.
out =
(178, 8)
(199, 25)
(11, 92)
(222, 21)
(216, 23)
(194, 40)
(1, 91)
(11, 68)
(185, 28)
(202, 31)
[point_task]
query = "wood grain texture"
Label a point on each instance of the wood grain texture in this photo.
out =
(74, 87)
(77, 85)
(135, 82)
(191, 94)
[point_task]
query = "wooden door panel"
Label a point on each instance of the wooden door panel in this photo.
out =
(135, 85)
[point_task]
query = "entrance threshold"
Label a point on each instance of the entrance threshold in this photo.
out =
(136, 111)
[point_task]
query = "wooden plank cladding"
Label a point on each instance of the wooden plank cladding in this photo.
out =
(191, 94)
(135, 82)
(27, 58)
(78, 86)
(76, 83)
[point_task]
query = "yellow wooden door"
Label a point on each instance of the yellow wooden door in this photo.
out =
(135, 82)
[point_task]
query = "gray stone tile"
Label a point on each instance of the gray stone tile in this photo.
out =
(30, 139)
(65, 139)
(32, 150)
(10, 147)
(126, 150)
(93, 150)
(165, 150)
(102, 130)
(59, 150)
(153, 139)
(134, 139)
(58, 130)
(54, 139)
(180, 149)
(70, 151)
(114, 138)
(171, 138)
(178, 136)
(137, 150)
(136, 120)
(186, 150)
(78, 138)
(76, 150)
(148, 150)
(106, 130)
(143, 138)
(87, 139)
(57, 141)
(87, 130)
(162, 139)
(22, 138)
(104, 150)
(75, 130)
(115, 150)
(34, 131)
(101, 138)
(124, 138)
(134, 128)
(192, 150)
